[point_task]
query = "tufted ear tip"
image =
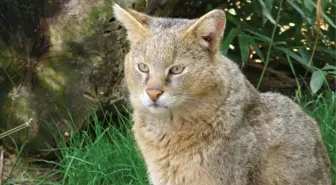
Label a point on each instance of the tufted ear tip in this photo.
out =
(136, 23)
(118, 11)
(116, 8)
(209, 29)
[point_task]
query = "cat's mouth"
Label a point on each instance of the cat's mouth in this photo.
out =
(155, 105)
(156, 108)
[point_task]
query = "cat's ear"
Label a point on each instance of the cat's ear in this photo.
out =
(209, 29)
(136, 23)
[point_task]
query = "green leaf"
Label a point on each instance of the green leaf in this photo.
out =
(298, 9)
(233, 20)
(304, 54)
(265, 12)
(325, 4)
(269, 4)
(326, 50)
(228, 40)
(262, 37)
(244, 47)
(316, 81)
(329, 67)
(279, 43)
(293, 70)
(256, 48)
(294, 56)
(308, 5)
(248, 28)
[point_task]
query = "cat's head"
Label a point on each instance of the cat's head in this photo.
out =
(172, 63)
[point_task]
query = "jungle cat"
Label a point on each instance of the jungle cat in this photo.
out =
(199, 121)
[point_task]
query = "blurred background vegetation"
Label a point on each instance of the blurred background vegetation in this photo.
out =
(285, 46)
(291, 39)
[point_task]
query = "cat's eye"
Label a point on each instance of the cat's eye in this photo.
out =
(176, 70)
(143, 67)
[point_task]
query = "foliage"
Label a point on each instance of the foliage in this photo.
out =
(101, 155)
(273, 30)
(299, 34)
(322, 108)
(110, 156)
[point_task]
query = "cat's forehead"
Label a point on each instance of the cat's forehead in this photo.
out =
(162, 24)
(160, 49)
(162, 41)
(163, 44)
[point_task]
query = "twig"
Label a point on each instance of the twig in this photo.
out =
(8, 76)
(1, 165)
(16, 129)
(318, 26)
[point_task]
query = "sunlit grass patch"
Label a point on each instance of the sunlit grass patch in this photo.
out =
(103, 155)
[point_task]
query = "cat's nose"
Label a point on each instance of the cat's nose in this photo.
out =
(154, 94)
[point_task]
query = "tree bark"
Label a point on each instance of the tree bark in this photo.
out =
(67, 67)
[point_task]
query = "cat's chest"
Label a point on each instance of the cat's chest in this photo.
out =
(177, 169)
(195, 157)
(174, 161)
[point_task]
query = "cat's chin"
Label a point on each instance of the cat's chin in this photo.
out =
(158, 109)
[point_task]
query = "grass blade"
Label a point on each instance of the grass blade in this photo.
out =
(266, 13)
(300, 11)
(244, 47)
(228, 40)
(294, 56)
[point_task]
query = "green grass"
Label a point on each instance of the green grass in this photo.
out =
(323, 108)
(105, 152)
(102, 155)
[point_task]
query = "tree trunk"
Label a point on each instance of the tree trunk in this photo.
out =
(58, 66)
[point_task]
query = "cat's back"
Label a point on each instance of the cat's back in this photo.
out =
(284, 117)
(281, 121)
(290, 141)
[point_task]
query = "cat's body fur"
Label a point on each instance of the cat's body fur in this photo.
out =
(224, 132)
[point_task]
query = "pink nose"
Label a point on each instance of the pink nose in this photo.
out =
(154, 94)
